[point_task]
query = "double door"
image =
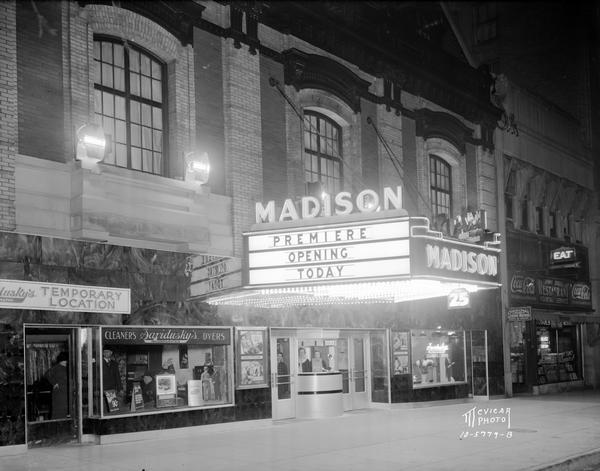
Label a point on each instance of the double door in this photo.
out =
(346, 352)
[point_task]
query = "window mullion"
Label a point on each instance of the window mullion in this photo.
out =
(127, 105)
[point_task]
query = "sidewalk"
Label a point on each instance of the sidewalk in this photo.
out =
(546, 431)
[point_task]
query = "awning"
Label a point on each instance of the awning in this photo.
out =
(566, 316)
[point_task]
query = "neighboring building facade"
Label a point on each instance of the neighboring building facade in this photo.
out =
(133, 256)
(547, 79)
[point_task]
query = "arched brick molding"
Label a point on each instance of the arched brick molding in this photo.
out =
(132, 27)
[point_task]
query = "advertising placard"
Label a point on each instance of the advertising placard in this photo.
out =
(519, 314)
(251, 358)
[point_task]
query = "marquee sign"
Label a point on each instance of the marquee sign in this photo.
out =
(16, 294)
(453, 259)
(358, 251)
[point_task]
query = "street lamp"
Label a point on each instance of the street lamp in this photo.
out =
(197, 167)
(91, 145)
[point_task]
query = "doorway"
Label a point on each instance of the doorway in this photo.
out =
(354, 360)
(52, 385)
(346, 351)
(283, 371)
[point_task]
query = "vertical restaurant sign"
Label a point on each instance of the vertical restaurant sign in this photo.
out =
(35, 295)
(356, 251)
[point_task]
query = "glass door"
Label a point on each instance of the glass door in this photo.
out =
(283, 370)
(354, 361)
(52, 386)
(479, 364)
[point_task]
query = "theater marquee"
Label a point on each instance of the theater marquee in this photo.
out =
(345, 252)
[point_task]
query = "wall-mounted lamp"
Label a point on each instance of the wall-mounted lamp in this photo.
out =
(91, 145)
(197, 167)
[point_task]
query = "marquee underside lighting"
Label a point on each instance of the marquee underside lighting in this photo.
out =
(351, 293)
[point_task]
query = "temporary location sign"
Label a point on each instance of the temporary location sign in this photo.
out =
(16, 294)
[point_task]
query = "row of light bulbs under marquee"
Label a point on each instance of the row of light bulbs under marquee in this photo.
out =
(350, 293)
(365, 259)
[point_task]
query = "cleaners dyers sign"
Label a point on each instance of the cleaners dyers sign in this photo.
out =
(166, 335)
(15, 294)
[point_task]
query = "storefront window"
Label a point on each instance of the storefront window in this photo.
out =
(557, 353)
(438, 357)
(150, 368)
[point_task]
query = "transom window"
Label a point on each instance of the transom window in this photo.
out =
(129, 102)
(322, 152)
(441, 187)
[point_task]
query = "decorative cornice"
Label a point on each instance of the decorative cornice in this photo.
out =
(313, 71)
(443, 125)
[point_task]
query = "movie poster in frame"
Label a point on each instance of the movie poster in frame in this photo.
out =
(251, 358)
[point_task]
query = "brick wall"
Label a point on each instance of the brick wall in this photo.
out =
(8, 113)
(210, 133)
(273, 132)
(242, 135)
(40, 81)
(369, 146)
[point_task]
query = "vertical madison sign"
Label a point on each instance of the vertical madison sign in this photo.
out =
(357, 251)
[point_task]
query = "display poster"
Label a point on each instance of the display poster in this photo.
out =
(252, 358)
(137, 399)
(183, 357)
(400, 349)
(111, 400)
(166, 390)
(195, 392)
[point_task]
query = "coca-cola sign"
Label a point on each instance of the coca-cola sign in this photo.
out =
(523, 287)
(581, 294)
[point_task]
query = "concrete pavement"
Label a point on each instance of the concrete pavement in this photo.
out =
(546, 433)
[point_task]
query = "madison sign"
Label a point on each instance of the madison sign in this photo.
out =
(453, 259)
(367, 201)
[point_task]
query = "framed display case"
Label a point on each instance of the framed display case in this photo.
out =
(162, 361)
(437, 357)
(251, 358)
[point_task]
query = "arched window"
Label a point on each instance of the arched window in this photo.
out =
(440, 177)
(322, 152)
(129, 100)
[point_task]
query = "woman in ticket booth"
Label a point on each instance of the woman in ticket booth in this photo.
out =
(318, 363)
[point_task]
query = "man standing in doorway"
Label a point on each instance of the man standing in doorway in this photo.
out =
(110, 372)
